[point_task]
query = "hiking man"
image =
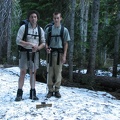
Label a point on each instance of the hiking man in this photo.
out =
(29, 46)
(56, 47)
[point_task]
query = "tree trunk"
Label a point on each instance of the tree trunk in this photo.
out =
(84, 9)
(1, 26)
(9, 31)
(7, 9)
(116, 46)
(5, 29)
(94, 34)
(71, 43)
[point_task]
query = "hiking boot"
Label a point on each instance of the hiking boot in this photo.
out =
(19, 95)
(57, 94)
(49, 94)
(33, 94)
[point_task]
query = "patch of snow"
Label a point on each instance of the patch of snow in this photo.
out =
(75, 103)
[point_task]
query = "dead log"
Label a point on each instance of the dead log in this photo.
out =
(84, 80)
(110, 82)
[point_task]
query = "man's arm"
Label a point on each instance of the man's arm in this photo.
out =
(65, 52)
(42, 45)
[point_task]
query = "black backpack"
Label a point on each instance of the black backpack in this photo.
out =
(59, 50)
(25, 22)
(49, 26)
(20, 48)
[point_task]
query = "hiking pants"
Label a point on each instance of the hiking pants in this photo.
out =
(54, 74)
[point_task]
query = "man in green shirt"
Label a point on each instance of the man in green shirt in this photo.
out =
(56, 47)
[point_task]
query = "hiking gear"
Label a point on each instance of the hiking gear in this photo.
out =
(19, 95)
(57, 94)
(49, 94)
(48, 25)
(50, 36)
(44, 104)
(33, 91)
(58, 50)
(23, 22)
(33, 94)
(22, 49)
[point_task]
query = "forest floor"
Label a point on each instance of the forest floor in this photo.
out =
(65, 82)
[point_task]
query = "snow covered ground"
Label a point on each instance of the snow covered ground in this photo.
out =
(75, 103)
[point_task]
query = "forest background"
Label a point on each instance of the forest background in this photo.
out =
(94, 27)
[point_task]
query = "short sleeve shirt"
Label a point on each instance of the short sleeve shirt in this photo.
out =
(33, 35)
(56, 42)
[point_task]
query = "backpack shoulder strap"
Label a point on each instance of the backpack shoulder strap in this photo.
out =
(20, 48)
(61, 34)
(39, 33)
(49, 34)
(26, 32)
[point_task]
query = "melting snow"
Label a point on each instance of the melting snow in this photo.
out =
(75, 103)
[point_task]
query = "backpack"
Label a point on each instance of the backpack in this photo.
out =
(49, 26)
(25, 22)
(59, 50)
(20, 48)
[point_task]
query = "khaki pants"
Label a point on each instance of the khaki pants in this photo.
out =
(54, 74)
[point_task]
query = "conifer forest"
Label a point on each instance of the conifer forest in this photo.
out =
(94, 27)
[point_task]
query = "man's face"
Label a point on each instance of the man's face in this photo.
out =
(33, 18)
(57, 18)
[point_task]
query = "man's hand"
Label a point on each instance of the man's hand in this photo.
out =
(34, 48)
(48, 50)
(63, 59)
